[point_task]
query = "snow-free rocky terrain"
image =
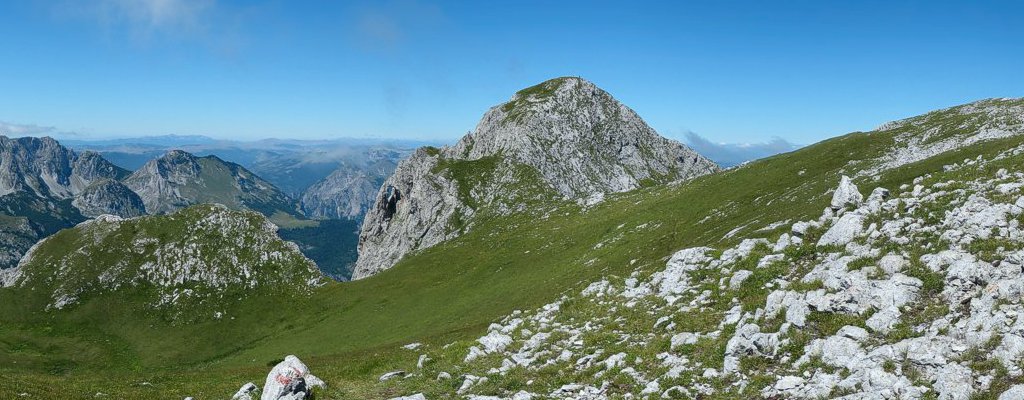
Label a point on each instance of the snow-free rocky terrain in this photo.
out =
(563, 138)
(913, 292)
(835, 271)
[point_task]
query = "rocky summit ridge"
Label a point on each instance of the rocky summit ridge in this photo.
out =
(562, 139)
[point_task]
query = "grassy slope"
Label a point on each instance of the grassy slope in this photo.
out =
(349, 333)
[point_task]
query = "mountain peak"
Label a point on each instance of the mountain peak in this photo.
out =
(553, 86)
(580, 138)
(564, 138)
(178, 156)
(564, 93)
(179, 179)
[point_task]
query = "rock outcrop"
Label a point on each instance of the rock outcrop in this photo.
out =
(564, 138)
(846, 194)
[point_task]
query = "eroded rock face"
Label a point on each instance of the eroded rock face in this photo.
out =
(157, 182)
(108, 196)
(43, 167)
(564, 138)
(346, 193)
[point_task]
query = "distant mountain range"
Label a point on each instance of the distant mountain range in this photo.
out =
(45, 186)
(291, 165)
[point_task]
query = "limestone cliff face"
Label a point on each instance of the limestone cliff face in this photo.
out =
(564, 138)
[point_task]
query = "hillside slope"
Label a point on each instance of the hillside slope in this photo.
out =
(445, 297)
(562, 139)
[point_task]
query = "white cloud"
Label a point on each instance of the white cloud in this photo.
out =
(730, 154)
(18, 130)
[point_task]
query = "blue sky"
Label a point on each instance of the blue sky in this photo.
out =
(730, 71)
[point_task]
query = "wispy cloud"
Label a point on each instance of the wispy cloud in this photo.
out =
(388, 25)
(730, 154)
(143, 20)
(18, 130)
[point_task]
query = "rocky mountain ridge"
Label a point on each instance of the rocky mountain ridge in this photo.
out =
(786, 286)
(43, 167)
(179, 179)
(562, 139)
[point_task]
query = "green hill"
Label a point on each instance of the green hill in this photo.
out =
(350, 333)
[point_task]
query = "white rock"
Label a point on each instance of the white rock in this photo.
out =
(469, 381)
(846, 194)
(738, 278)
(1015, 392)
(847, 228)
(417, 396)
(244, 393)
(390, 375)
(787, 383)
(684, 338)
(884, 320)
(892, 263)
(853, 332)
(954, 382)
(289, 376)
